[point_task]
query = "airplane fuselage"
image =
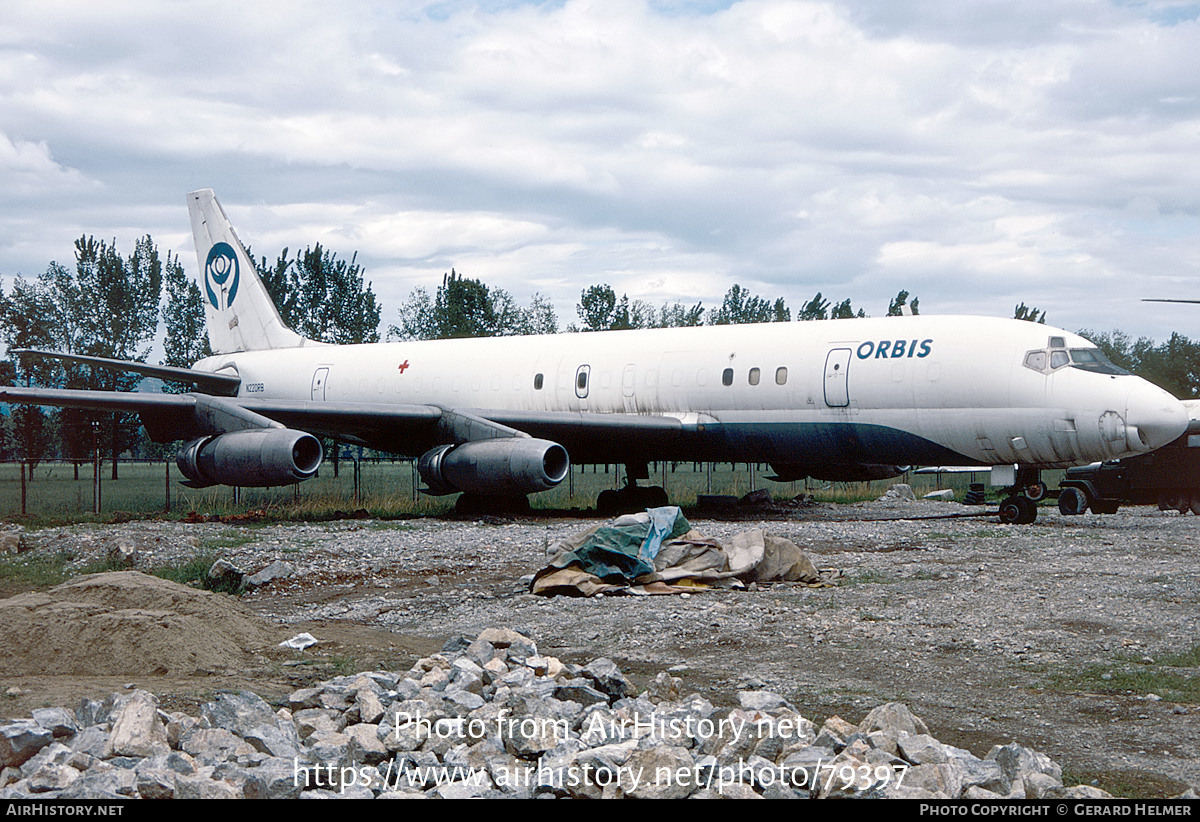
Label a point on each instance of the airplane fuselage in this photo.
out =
(904, 390)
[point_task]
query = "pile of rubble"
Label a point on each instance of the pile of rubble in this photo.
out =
(490, 717)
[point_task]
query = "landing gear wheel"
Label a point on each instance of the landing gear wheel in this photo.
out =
(630, 500)
(1036, 491)
(1018, 510)
(1175, 501)
(608, 503)
(1171, 502)
(1194, 504)
(1072, 502)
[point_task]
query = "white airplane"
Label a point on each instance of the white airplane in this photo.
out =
(841, 399)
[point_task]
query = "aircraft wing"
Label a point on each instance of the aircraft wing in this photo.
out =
(170, 417)
(399, 428)
(411, 429)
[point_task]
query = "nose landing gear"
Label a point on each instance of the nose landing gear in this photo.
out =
(1020, 506)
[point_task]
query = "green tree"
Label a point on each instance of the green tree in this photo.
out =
(740, 306)
(896, 306)
(34, 317)
(8, 376)
(1116, 345)
(815, 309)
(27, 320)
(186, 339)
(677, 315)
(600, 310)
(27, 431)
(1173, 365)
(844, 311)
(465, 307)
(321, 296)
(1029, 313)
(284, 291)
(540, 316)
(107, 307)
(597, 307)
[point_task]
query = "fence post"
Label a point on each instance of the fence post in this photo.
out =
(357, 479)
(166, 486)
(95, 468)
(22, 467)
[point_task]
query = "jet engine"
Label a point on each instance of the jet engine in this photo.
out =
(837, 472)
(253, 458)
(503, 466)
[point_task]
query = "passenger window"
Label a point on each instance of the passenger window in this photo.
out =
(727, 377)
(581, 380)
(537, 382)
(781, 376)
(754, 376)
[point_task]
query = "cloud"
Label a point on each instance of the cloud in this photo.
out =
(968, 152)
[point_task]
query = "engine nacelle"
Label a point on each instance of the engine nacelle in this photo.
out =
(504, 466)
(838, 472)
(253, 458)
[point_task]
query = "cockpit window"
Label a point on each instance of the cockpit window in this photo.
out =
(1093, 359)
(1086, 359)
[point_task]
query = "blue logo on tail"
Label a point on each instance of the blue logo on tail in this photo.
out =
(221, 268)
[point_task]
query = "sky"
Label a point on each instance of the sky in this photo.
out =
(978, 154)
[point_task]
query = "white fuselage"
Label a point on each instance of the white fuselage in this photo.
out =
(908, 390)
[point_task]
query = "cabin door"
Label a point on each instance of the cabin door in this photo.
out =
(628, 381)
(320, 377)
(837, 385)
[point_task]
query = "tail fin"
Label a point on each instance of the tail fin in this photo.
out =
(239, 311)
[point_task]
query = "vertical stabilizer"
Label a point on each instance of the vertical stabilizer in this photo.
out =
(240, 313)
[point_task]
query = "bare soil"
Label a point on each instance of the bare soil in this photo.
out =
(1076, 636)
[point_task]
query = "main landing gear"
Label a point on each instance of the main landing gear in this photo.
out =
(632, 497)
(1020, 506)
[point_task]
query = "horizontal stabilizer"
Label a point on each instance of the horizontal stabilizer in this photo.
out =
(222, 385)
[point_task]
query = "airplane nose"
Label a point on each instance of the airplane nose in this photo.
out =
(1154, 417)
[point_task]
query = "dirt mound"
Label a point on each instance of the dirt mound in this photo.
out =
(127, 624)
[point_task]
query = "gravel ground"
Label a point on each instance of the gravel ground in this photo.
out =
(1075, 635)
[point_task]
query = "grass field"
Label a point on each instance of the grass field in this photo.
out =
(55, 495)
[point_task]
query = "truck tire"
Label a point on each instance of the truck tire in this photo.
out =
(1072, 502)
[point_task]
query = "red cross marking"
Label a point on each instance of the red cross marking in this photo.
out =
(403, 366)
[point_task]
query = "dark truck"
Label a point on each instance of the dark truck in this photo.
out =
(1168, 477)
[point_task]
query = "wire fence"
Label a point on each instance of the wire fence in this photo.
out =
(63, 489)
